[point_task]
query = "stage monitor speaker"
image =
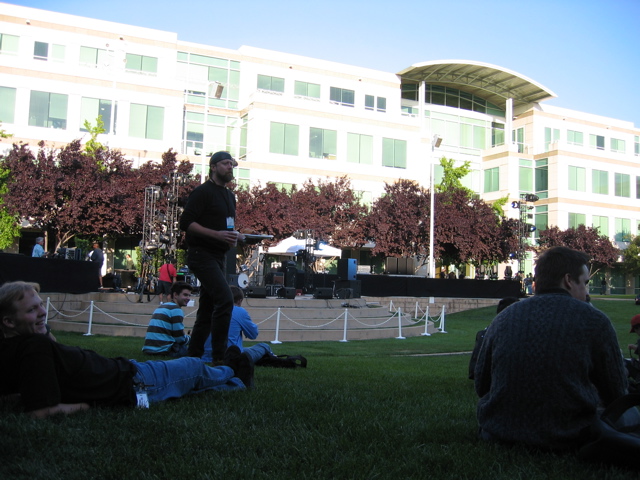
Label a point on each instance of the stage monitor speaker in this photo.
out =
(405, 266)
(347, 268)
(287, 292)
(256, 292)
(324, 293)
(391, 265)
(354, 285)
(344, 293)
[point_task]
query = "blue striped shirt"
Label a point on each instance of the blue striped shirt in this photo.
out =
(165, 329)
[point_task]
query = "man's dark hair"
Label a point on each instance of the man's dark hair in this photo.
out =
(553, 264)
(177, 287)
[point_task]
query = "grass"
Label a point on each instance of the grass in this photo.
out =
(379, 409)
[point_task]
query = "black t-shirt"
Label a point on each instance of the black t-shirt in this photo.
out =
(209, 205)
(46, 373)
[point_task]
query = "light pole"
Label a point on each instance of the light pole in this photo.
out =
(435, 143)
(217, 93)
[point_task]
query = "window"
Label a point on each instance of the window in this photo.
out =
(596, 141)
(602, 224)
(7, 104)
(305, 89)
(623, 230)
(518, 138)
(273, 84)
(93, 57)
(492, 180)
(636, 145)
(323, 143)
(525, 176)
(577, 179)
(577, 219)
(472, 136)
(600, 181)
(242, 177)
(342, 96)
(622, 186)
(359, 148)
(575, 138)
(394, 153)
(551, 138)
(541, 219)
(618, 145)
(8, 44)
(287, 187)
(91, 108)
(41, 51)
(141, 63)
(371, 103)
(542, 178)
(284, 138)
(48, 110)
(452, 97)
(146, 121)
(637, 178)
(497, 134)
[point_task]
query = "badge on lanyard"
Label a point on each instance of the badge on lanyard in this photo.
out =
(230, 223)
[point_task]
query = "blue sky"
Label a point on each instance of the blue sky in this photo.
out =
(587, 52)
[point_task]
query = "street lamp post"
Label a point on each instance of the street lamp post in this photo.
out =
(435, 143)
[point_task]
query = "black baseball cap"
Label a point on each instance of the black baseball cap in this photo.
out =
(220, 156)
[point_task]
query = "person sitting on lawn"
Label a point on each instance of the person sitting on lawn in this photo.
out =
(548, 362)
(165, 333)
(52, 378)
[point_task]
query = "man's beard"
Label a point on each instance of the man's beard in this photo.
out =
(225, 178)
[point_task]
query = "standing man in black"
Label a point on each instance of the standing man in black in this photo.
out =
(209, 220)
(97, 256)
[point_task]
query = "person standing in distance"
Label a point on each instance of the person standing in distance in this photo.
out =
(38, 249)
(96, 256)
(209, 222)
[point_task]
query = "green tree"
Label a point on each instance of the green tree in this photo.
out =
(9, 223)
(452, 176)
(631, 257)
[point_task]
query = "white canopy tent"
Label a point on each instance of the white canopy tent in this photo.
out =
(289, 247)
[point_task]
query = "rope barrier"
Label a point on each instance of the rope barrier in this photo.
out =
(345, 317)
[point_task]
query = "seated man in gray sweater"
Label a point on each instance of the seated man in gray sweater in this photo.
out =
(549, 361)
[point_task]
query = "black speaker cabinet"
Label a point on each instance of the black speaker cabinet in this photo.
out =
(322, 292)
(256, 292)
(287, 292)
(344, 293)
(354, 286)
(347, 268)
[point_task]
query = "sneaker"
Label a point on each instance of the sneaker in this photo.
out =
(241, 364)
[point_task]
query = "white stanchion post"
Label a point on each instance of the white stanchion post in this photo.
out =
(426, 324)
(90, 320)
(276, 341)
(344, 335)
(46, 319)
(416, 315)
(442, 330)
(400, 337)
(391, 305)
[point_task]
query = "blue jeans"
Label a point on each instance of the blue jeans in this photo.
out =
(183, 376)
(215, 304)
(257, 351)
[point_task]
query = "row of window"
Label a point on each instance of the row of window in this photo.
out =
(338, 96)
(323, 143)
(622, 227)
(89, 56)
(51, 110)
(600, 182)
(617, 145)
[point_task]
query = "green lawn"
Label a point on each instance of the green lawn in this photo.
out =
(361, 410)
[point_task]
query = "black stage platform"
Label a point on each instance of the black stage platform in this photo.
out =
(414, 286)
(53, 275)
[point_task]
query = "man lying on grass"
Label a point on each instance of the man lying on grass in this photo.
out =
(53, 378)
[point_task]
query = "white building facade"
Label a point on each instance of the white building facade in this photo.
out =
(289, 118)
